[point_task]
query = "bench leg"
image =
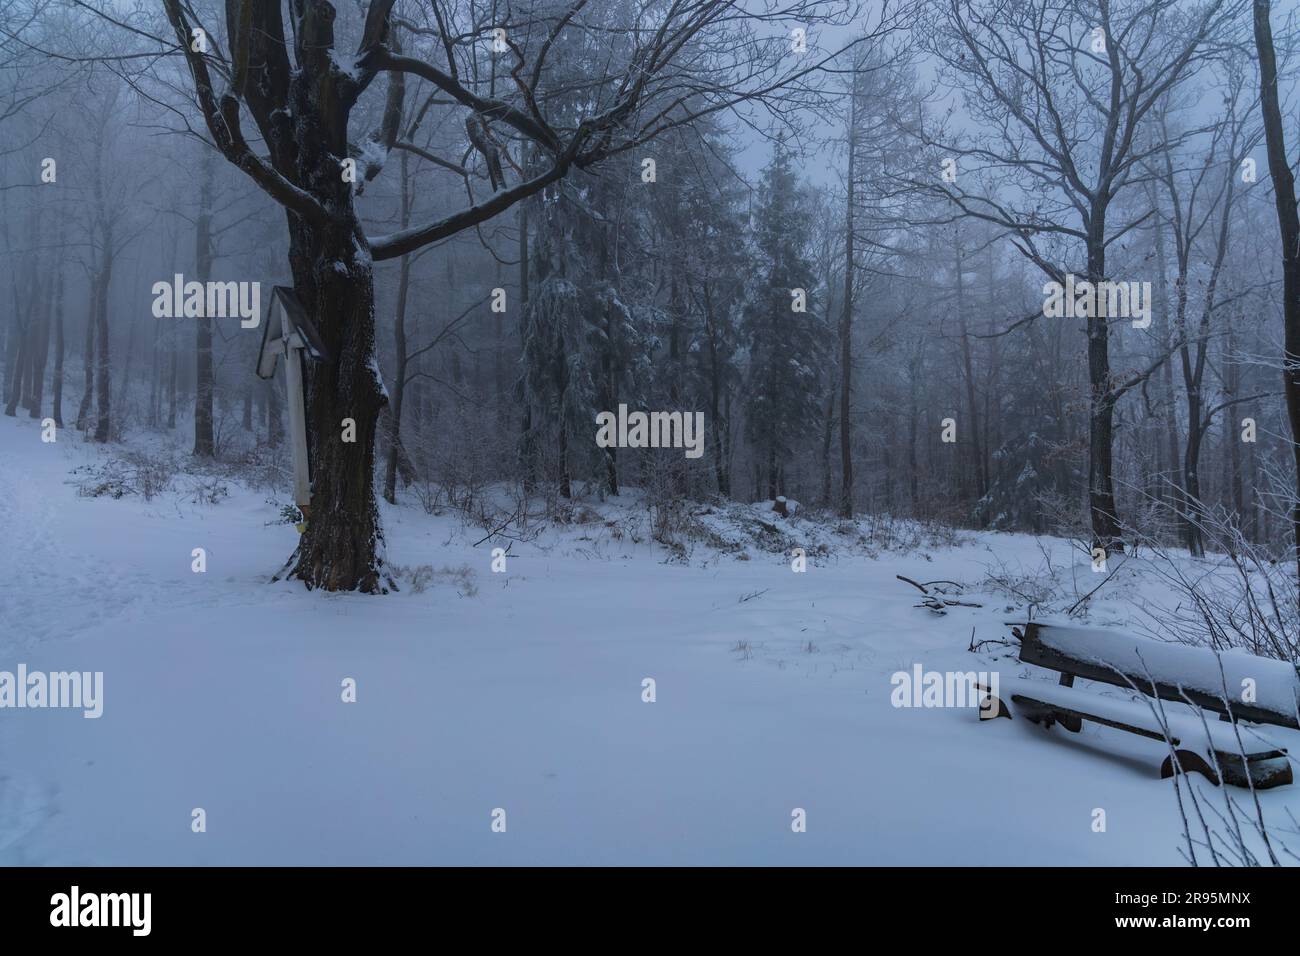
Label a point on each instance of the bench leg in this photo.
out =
(992, 707)
(1035, 713)
(1047, 716)
(1071, 723)
(1189, 761)
(1263, 773)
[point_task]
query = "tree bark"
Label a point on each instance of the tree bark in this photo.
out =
(1289, 226)
(103, 379)
(527, 440)
(828, 431)
(88, 355)
(40, 352)
(400, 347)
(56, 384)
(1101, 406)
(717, 387)
(21, 369)
(1172, 454)
(846, 319)
(968, 373)
(172, 376)
(204, 444)
(913, 429)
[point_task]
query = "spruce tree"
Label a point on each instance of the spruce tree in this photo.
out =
(784, 330)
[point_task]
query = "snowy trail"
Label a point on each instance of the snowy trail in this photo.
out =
(62, 554)
(223, 693)
(31, 578)
(68, 573)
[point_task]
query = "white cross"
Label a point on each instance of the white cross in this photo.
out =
(296, 335)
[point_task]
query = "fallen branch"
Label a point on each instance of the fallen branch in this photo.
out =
(920, 587)
(935, 602)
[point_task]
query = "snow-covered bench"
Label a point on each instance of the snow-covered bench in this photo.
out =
(1244, 690)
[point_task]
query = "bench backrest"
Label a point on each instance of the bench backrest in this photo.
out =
(1169, 671)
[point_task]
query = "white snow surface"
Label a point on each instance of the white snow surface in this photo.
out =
(524, 692)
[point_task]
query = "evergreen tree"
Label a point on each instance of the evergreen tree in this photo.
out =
(786, 335)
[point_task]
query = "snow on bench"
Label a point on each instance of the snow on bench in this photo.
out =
(1238, 686)
(1133, 713)
(1209, 746)
(1257, 688)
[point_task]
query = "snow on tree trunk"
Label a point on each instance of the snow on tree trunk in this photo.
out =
(342, 546)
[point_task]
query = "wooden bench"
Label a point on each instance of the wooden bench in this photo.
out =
(1232, 749)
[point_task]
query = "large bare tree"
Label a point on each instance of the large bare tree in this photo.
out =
(652, 65)
(1289, 226)
(1061, 92)
(1197, 194)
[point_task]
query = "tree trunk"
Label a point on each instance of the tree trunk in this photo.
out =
(103, 366)
(40, 352)
(342, 548)
(499, 357)
(155, 376)
(1289, 226)
(56, 384)
(771, 469)
(990, 433)
(1194, 513)
(1101, 406)
(172, 375)
(610, 373)
(1190, 506)
(1170, 417)
(1232, 385)
(676, 351)
(399, 383)
(968, 372)
(21, 369)
(566, 483)
(204, 444)
(88, 356)
(527, 441)
(913, 428)
(716, 388)
(846, 325)
(120, 401)
(828, 432)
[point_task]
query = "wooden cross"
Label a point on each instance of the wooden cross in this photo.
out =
(295, 336)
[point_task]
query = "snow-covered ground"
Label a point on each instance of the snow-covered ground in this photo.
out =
(523, 691)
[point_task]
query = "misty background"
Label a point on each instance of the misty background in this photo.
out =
(923, 296)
